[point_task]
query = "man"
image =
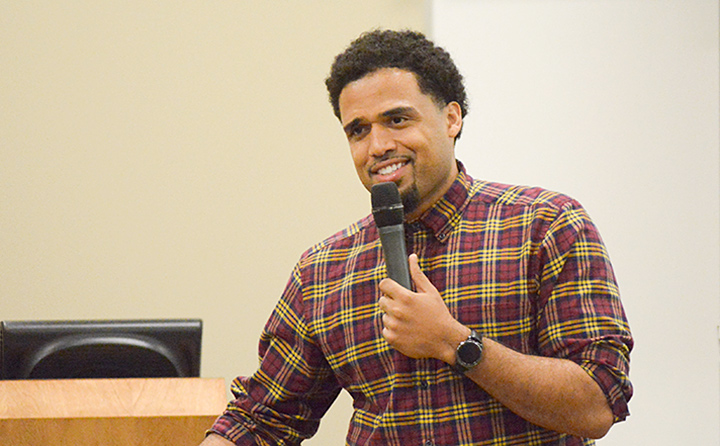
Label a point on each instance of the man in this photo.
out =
(513, 333)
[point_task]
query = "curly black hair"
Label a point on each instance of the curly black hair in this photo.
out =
(408, 50)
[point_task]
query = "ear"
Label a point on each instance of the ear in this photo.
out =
(453, 114)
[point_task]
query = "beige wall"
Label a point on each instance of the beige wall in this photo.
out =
(173, 159)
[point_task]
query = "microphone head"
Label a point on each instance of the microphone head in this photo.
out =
(387, 206)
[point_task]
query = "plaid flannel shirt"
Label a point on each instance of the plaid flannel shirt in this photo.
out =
(523, 266)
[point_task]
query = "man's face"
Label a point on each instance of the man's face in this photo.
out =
(397, 133)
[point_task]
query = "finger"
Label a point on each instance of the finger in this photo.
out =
(390, 288)
(422, 283)
(389, 322)
(383, 303)
(387, 334)
(386, 304)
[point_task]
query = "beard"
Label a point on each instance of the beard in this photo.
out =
(410, 199)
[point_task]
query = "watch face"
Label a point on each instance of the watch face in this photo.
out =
(469, 352)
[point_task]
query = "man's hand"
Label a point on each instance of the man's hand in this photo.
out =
(419, 324)
(551, 392)
(216, 440)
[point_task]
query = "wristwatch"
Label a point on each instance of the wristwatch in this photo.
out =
(468, 353)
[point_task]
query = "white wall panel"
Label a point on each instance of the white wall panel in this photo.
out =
(615, 103)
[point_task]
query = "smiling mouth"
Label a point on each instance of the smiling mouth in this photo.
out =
(387, 170)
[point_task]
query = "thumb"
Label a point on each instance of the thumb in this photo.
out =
(422, 283)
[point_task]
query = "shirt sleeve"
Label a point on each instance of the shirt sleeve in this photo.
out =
(580, 316)
(283, 402)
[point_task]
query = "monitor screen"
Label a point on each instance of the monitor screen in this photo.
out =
(100, 349)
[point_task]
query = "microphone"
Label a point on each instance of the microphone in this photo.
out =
(389, 215)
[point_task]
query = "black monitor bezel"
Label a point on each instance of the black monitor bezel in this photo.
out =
(24, 344)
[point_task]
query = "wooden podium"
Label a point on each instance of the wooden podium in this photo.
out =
(109, 412)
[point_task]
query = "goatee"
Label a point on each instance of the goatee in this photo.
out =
(410, 199)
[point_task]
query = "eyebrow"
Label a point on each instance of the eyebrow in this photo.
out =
(398, 111)
(386, 114)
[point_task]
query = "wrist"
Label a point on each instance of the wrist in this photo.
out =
(468, 353)
(455, 337)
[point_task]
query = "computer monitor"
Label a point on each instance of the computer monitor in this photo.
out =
(100, 349)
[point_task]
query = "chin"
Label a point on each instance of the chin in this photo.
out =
(410, 197)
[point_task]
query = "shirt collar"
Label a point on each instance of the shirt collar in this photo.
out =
(444, 215)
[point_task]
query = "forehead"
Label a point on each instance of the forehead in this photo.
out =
(380, 91)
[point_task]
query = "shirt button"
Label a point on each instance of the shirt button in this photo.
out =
(429, 443)
(424, 385)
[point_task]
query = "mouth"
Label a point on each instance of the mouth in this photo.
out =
(388, 170)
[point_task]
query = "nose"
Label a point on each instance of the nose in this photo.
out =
(381, 141)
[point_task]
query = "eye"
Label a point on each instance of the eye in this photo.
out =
(398, 120)
(356, 132)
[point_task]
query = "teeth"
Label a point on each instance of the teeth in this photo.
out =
(390, 169)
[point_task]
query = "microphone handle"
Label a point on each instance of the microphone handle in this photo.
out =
(392, 238)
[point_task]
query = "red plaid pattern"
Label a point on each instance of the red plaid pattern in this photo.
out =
(523, 266)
